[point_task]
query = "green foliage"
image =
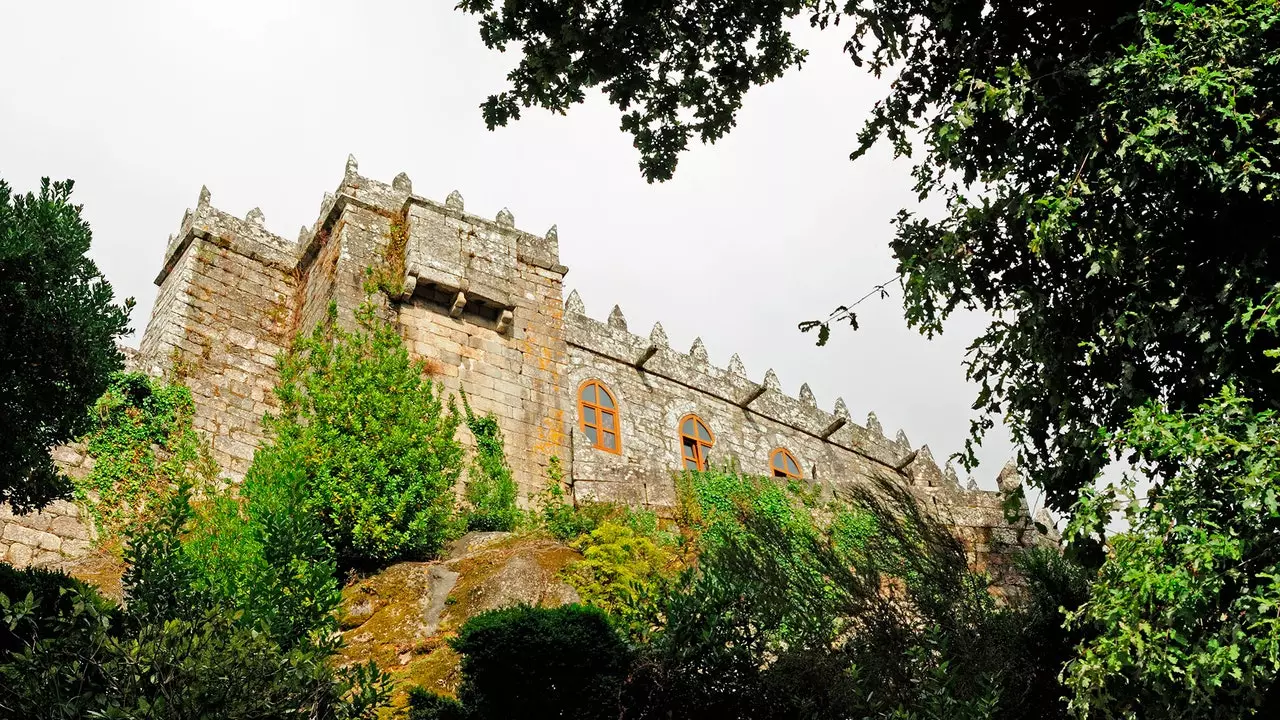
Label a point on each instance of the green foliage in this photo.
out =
(491, 490)
(142, 443)
(712, 502)
(372, 436)
(1185, 606)
(243, 635)
(86, 662)
(527, 662)
(866, 608)
(162, 582)
(426, 705)
(624, 572)
(266, 556)
(31, 601)
(565, 520)
(60, 329)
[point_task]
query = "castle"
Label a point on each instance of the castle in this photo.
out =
(483, 303)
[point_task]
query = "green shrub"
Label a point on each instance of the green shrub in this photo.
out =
(266, 555)
(786, 616)
(426, 705)
(711, 503)
(491, 491)
(162, 581)
(87, 664)
(566, 521)
(31, 599)
(625, 573)
(527, 662)
(373, 437)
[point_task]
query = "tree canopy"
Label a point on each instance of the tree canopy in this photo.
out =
(58, 332)
(1108, 171)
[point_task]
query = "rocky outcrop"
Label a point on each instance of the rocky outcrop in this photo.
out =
(402, 616)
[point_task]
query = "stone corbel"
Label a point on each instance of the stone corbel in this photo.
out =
(646, 356)
(752, 396)
(459, 302)
(505, 319)
(835, 425)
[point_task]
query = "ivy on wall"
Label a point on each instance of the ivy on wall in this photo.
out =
(141, 440)
(491, 490)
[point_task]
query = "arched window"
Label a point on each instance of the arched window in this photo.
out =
(598, 417)
(695, 441)
(783, 464)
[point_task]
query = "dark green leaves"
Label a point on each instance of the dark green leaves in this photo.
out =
(677, 69)
(58, 329)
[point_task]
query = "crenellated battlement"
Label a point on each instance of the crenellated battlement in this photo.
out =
(653, 355)
(247, 236)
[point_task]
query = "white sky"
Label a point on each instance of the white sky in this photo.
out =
(143, 102)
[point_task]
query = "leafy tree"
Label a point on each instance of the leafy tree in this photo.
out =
(58, 329)
(372, 437)
(1186, 605)
(1108, 169)
(787, 618)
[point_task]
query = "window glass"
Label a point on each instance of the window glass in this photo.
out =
(783, 464)
(695, 441)
(598, 417)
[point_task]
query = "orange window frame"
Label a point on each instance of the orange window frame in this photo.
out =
(695, 440)
(598, 417)
(784, 465)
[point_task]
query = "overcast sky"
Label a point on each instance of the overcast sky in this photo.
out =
(143, 102)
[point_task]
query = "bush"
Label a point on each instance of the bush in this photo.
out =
(87, 664)
(491, 491)
(266, 555)
(625, 573)
(190, 642)
(426, 705)
(788, 617)
(527, 662)
(32, 598)
(372, 436)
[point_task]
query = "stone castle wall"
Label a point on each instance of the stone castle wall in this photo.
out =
(482, 302)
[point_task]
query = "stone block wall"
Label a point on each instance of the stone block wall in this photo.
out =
(55, 533)
(226, 308)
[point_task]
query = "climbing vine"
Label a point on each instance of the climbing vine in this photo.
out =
(491, 490)
(141, 441)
